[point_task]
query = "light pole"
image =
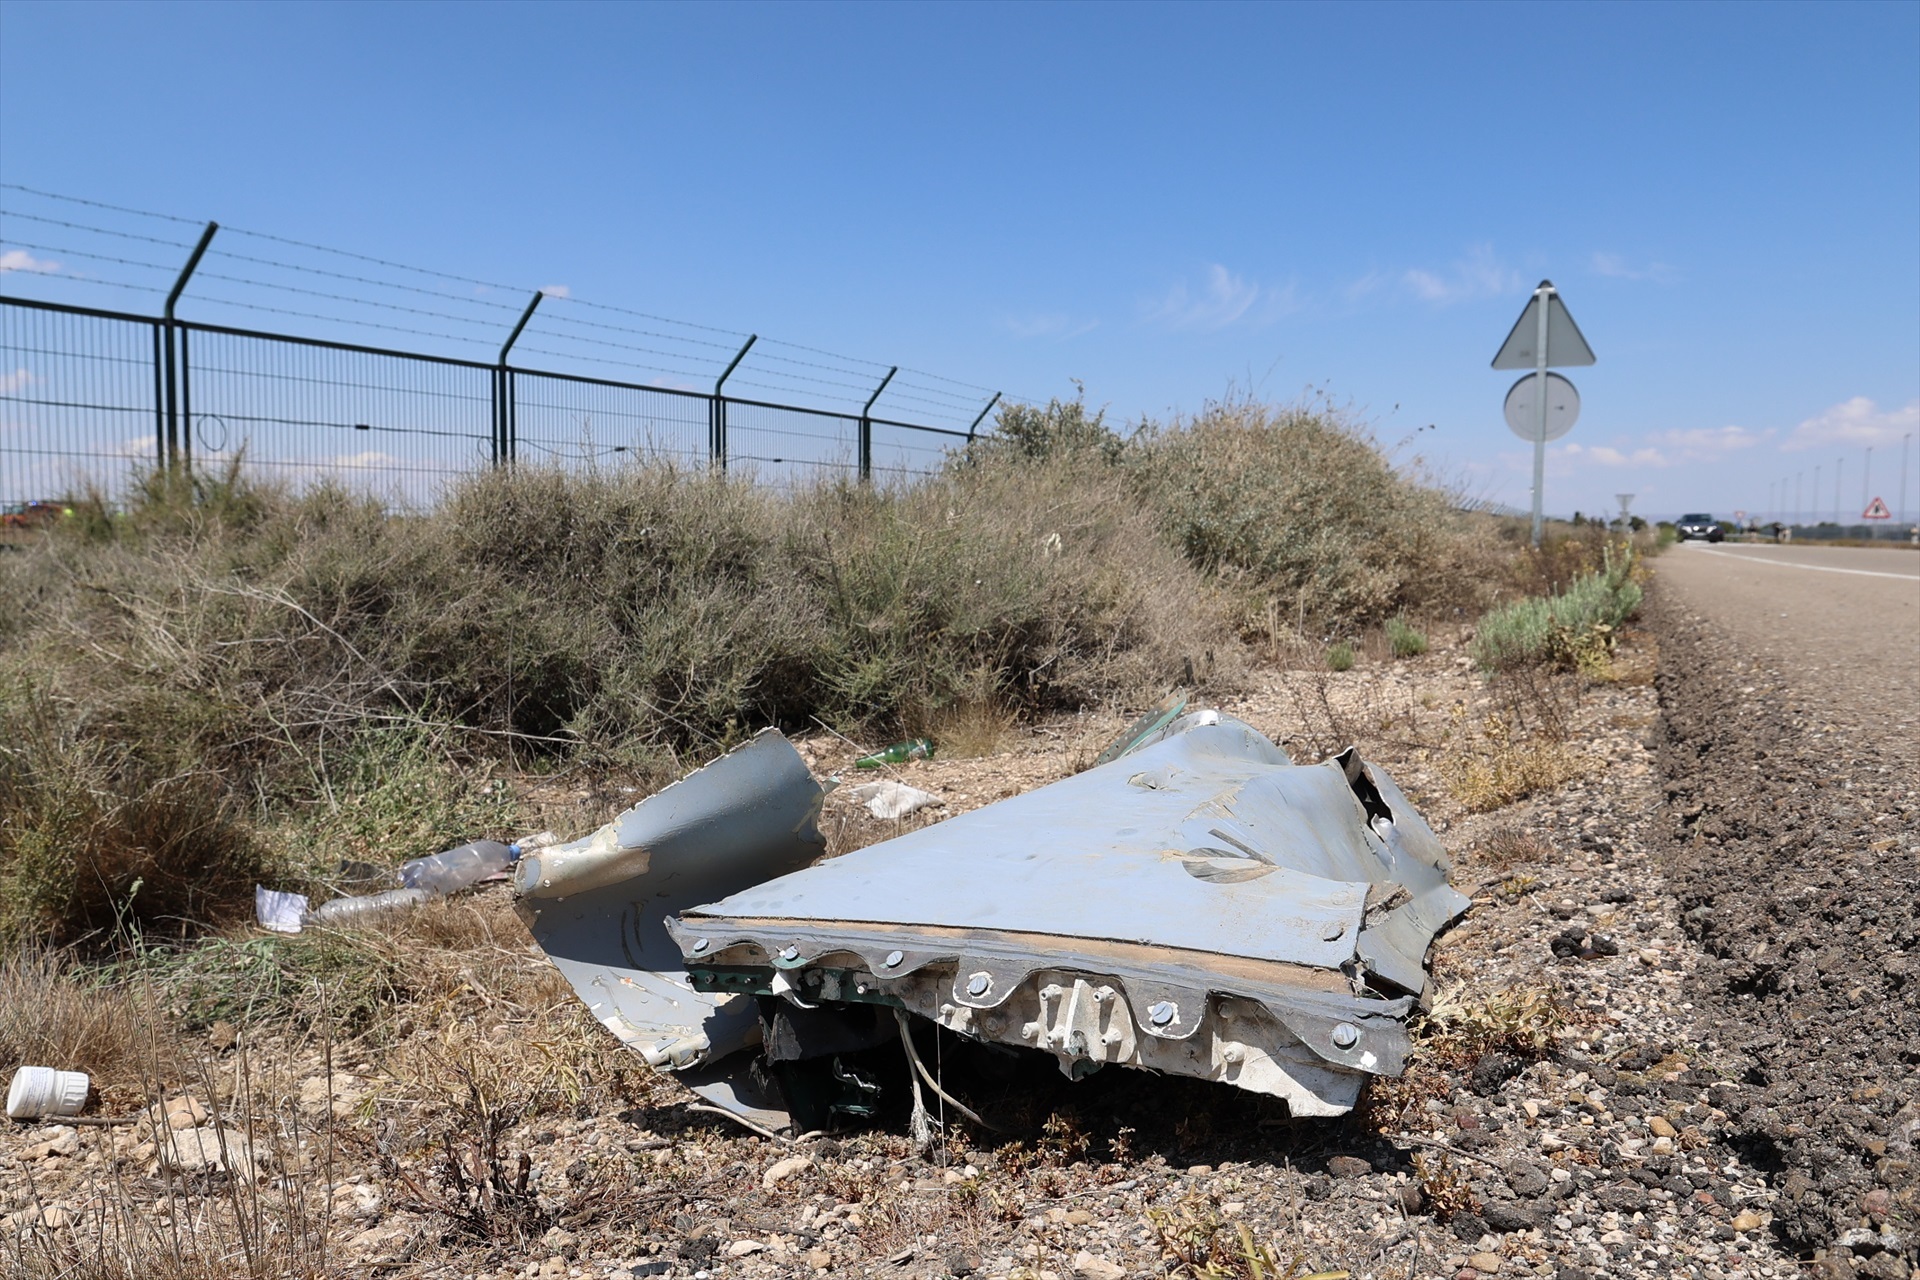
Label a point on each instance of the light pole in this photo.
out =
(1866, 480)
(1901, 501)
(1839, 465)
(1798, 510)
(1816, 491)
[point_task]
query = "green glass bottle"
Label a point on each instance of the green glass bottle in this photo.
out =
(898, 753)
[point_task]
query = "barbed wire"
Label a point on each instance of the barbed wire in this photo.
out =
(362, 257)
(105, 231)
(98, 204)
(310, 315)
(618, 364)
(82, 253)
(951, 396)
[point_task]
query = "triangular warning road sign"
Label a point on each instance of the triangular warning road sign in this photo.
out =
(1565, 344)
(1876, 510)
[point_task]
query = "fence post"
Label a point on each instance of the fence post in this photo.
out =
(159, 400)
(866, 426)
(717, 410)
(503, 424)
(983, 416)
(173, 296)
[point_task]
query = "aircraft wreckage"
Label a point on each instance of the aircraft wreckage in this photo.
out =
(1199, 905)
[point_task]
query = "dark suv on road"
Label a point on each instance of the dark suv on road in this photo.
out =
(1699, 525)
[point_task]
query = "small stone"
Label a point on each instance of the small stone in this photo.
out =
(820, 1260)
(1078, 1217)
(1662, 1127)
(959, 1263)
(1510, 1215)
(1747, 1220)
(1090, 1267)
(207, 1148)
(558, 1240)
(1200, 1170)
(741, 1248)
(1467, 1226)
(222, 1035)
(1348, 1167)
(1604, 944)
(64, 1141)
(780, 1170)
(1526, 1180)
(1486, 1263)
(53, 1217)
(182, 1113)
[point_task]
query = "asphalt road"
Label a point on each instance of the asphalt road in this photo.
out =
(1840, 626)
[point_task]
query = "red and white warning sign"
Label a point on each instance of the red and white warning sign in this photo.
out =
(1876, 510)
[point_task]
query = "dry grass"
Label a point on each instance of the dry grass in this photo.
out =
(1198, 1244)
(972, 730)
(1465, 1023)
(55, 1014)
(1508, 847)
(1494, 767)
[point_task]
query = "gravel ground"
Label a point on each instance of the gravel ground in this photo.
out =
(1609, 1130)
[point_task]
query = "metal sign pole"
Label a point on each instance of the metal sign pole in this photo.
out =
(1540, 418)
(1538, 343)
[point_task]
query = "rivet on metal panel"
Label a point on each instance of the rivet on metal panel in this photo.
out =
(1163, 1013)
(1031, 1031)
(1346, 1035)
(893, 959)
(701, 944)
(979, 984)
(1102, 994)
(790, 953)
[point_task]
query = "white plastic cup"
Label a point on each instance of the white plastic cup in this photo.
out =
(42, 1091)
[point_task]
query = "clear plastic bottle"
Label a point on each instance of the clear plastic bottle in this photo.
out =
(458, 867)
(349, 910)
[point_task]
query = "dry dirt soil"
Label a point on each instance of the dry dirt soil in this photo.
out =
(1674, 1035)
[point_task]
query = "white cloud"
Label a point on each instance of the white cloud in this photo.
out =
(1222, 299)
(1858, 421)
(1480, 274)
(1608, 456)
(372, 458)
(1051, 324)
(21, 260)
(12, 383)
(1370, 283)
(556, 291)
(1616, 267)
(1707, 444)
(1681, 446)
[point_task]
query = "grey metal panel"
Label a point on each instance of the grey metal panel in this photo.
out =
(1150, 848)
(747, 816)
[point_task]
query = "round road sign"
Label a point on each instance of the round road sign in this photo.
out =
(1523, 408)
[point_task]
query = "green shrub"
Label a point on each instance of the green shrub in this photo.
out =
(1340, 656)
(1574, 628)
(236, 671)
(1407, 642)
(1299, 512)
(96, 845)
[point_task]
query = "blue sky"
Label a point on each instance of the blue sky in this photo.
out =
(1164, 203)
